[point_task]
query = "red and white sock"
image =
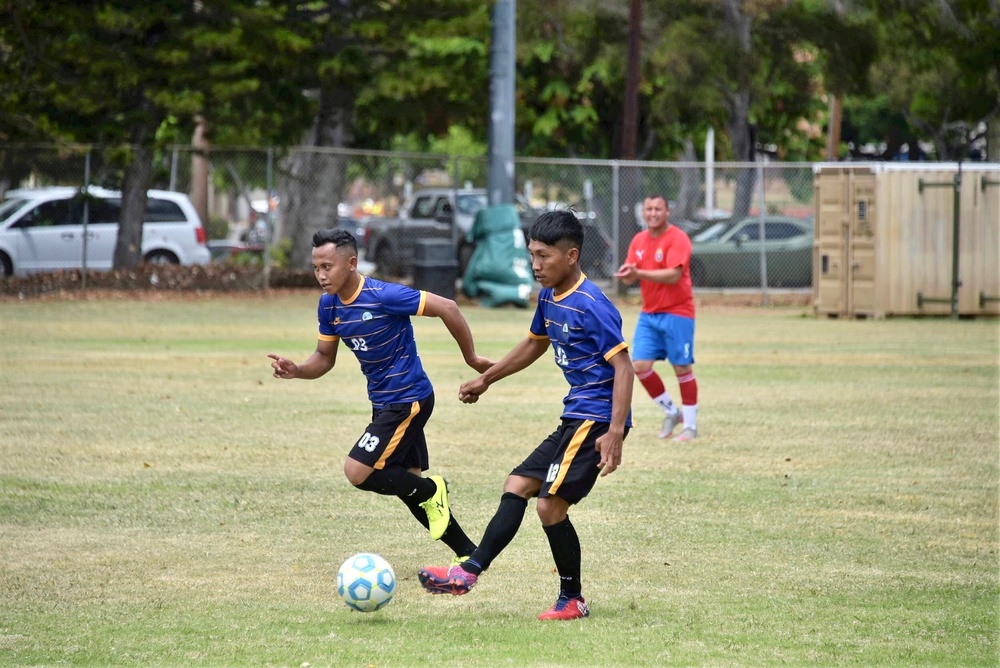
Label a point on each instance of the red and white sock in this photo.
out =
(689, 399)
(654, 386)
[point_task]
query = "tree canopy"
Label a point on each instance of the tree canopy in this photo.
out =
(380, 74)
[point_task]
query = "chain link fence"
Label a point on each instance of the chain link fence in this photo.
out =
(751, 223)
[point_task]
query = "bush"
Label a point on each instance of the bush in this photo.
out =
(158, 278)
(217, 227)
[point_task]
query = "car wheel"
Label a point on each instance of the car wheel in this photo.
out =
(387, 260)
(161, 257)
(6, 266)
(697, 274)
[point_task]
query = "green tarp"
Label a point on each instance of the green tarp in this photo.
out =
(499, 271)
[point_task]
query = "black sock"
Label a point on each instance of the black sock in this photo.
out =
(565, 546)
(499, 532)
(397, 481)
(454, 537)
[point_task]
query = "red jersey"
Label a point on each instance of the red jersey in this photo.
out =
(670, 249)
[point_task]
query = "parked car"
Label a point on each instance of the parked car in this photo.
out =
(727, 254)
(41, 229)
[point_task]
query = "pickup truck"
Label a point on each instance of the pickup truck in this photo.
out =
(448, 213)
(432, 213)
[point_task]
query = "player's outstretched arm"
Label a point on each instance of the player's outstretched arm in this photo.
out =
(520, 357)
(322, 360)
(610, 444)
(437, 306)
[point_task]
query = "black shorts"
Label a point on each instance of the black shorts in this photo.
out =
(396, 436)
(566, 462)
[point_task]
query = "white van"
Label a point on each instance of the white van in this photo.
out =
(41, 229)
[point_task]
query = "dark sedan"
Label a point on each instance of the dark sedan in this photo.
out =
(728, 254)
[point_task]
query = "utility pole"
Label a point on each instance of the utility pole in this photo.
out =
(500, 167)
(630, 113)
(630, 177)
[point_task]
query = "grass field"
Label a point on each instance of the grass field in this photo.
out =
(165, 501)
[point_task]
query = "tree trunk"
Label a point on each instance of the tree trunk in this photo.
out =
(138, 176)
(199, 170)
(690, 190)
(741, 133)
(312, 181)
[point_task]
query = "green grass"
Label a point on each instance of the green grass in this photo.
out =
(165, 501)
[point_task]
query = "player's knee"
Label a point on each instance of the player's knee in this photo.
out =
(551, 510)
(641, 366)
(356, 475)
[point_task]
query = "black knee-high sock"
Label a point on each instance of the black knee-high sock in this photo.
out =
(565, 546)
(397, 481)
(499, 532)
(454, 537)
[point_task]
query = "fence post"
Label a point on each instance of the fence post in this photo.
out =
(270, 218)
(86, 215)
(615, 224)
(762, 236)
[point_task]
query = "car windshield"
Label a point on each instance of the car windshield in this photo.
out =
(9, 206)
(712, 233)
(470, 204)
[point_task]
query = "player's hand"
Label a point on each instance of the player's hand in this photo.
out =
(627, 272)
(470, 391)
(481, 364)
(283, 367)
(610, 447)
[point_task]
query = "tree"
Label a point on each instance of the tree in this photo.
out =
(377, 71)
(939, 70)
(115, 73)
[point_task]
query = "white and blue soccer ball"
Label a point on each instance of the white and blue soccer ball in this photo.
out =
(366, 582)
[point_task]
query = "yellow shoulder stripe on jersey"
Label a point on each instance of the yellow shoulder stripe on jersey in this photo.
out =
(614, 351)
(423, 302)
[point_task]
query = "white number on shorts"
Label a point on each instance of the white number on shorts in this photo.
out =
(368, 442)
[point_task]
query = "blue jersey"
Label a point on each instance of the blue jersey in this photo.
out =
(375, 325)
(585, 329)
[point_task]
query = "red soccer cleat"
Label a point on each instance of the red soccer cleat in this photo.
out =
(453, 580)
(567, 607)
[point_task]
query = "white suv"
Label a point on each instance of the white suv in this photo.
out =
(41, 229)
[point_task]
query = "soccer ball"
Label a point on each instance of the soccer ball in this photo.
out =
(366, 582)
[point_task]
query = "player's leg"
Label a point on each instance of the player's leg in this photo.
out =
(680, 353)
(454, 536)
(648, 346)
(383, 459)
(522, 484)
(570, 480)
(459, 578)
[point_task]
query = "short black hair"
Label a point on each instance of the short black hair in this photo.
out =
(337, 237)
(659, 196)
(554, 226)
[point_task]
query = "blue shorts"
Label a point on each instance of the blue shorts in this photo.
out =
(664, 336)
